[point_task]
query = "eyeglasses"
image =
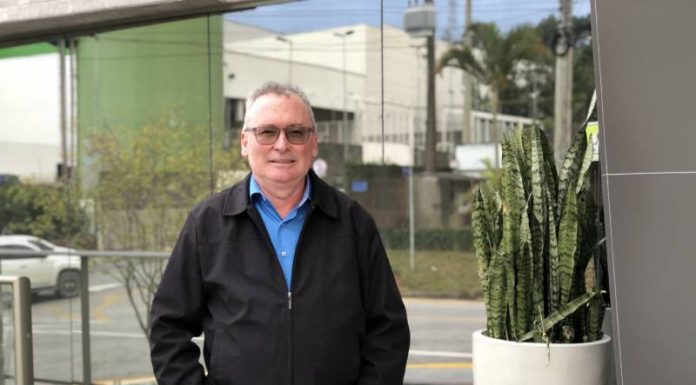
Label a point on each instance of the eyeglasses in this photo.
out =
(270, 134)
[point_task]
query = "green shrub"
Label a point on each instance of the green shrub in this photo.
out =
(429, 239)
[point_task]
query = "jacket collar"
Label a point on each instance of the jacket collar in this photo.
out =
(238, 200)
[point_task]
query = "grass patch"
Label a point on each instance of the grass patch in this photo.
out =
(451, 274)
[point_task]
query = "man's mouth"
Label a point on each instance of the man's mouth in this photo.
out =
(283, 161)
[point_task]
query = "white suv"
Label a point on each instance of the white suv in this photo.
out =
(55, 274)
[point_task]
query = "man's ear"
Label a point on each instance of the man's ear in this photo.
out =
(244, 141)
(315, 149)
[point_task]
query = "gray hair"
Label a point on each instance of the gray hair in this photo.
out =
(276, 88)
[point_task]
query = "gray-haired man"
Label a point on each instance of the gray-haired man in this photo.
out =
(286, 277)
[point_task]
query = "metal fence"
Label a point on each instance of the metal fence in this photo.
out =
(21, 315)
(25, 302)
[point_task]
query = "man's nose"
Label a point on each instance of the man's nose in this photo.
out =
(282, 142)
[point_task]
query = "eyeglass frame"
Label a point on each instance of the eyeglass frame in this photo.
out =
(305, 131)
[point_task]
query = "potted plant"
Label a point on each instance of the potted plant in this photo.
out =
(535, 234)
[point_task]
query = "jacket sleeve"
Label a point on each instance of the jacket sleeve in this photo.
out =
(177, 314)
(387, 336)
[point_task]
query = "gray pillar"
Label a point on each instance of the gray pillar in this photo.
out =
(645, 58)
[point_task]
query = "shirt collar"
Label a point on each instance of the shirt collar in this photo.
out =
(237, 199)
(255, 189)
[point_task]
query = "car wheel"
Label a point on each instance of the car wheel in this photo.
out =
(68, 284)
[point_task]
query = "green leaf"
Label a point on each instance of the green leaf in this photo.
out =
(583, 176)
(595, 319)
(571, 167)
(549, 165)
(567, 245)
(538, 231)
(559, 315)
(537, 175)
(524, 293)
(497, 297)
(482, 231)
(554, 291)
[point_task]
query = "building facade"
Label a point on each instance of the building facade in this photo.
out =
(342, 70)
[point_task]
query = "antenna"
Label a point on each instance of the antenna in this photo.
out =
(451, 20)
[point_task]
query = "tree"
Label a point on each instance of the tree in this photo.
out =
(146, 183)
(495, 59)
(45, 211)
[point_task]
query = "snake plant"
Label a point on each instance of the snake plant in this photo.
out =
(534, 235)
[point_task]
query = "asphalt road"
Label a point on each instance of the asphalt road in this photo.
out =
(440, 338)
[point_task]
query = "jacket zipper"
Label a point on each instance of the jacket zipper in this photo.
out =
(258, 223)
(291, 319)
(254, 215)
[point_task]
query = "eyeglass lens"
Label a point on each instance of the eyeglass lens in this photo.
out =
(270, 134)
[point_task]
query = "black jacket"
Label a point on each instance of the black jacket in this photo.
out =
(344, 323)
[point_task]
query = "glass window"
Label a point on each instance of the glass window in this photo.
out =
(138, 124)
(42, 245)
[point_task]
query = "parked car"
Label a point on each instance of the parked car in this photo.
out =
(50, 273)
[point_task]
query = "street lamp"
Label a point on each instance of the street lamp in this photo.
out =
(286, 40)
(420, 21)
(344, 125)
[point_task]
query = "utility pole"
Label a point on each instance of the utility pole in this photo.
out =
(448, 137)
(451, 21)
(431, 126)
(467, 78)
(63, 115)
(344, 124)
(563, 120)
(535, 92)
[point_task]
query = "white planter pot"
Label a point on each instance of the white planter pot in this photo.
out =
(499, 362)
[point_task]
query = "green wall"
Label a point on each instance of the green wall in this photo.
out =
(28, 50)
(131, 77)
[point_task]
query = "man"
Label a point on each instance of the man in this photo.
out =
(285, 276)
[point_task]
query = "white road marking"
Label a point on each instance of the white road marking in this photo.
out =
(108, 286)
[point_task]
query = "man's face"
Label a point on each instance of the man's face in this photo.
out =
(281, 162)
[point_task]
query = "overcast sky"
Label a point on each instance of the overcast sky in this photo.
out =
(317, 14)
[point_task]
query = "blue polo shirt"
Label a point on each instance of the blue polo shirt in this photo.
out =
(284, 232)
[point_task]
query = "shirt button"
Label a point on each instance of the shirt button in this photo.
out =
(282, 253)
